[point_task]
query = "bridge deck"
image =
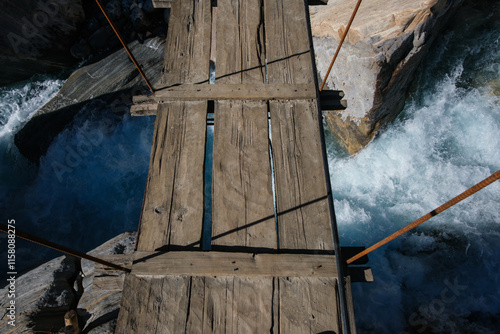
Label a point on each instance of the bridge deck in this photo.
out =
(266, 150)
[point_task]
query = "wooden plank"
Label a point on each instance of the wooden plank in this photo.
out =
(154, 305)
(287, 42)
(302, 205)
(231, 92)
(187, 47)
(317, 2)
(233, 264)
(172, 212)
(240, 48)
(350, 305)
(230, 305)
(243, 209)
(144, 109)
(162, 3)
(308, 305)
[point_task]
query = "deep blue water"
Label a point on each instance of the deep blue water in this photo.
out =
(441, 278)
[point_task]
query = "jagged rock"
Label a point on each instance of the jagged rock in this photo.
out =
(112, 80)
(42, 296)
(37, 36)
(140, 20)
(114, 10)
(375, 67)
(99, 305)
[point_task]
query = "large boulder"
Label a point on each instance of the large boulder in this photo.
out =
(102, 288)
(376, 65)
(36, 37)
(113, 80)
(42, 297)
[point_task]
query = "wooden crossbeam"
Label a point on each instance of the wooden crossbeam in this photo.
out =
(233, 264)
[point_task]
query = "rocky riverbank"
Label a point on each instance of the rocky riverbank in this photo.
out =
(46, 293)
(377, 63)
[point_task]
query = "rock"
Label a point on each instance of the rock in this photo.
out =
(103, 38)
(114, 10)
(100, 303)
(81, 50)
(140, 20)
(37, 36)
(111, 80)
(43, 296)
(375, 67)
(148, 7)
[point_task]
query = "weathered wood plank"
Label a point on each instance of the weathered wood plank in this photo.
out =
(162, 3)
(154, 305)
(233, 264)
(173, 204)
(287, 42)
(308, 305)
(187, 47)
(231, 92)
(230, 305)
(144, 109)
(302, 205)
(243, 210)
(240, 47)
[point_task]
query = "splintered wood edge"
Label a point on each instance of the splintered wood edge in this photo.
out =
(233, 264)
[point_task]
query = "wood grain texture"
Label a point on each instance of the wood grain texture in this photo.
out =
(243, 211)
(231, 92)
(308, 305)
(240, 42)
(287, 42)
(154, 305)
(173, 204)
(233, 264)
(299, 177)
(187, 47)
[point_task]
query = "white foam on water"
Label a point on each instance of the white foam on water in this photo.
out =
(443, 276)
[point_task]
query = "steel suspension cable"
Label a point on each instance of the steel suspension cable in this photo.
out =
(125, 45)
(60, 248)
(486, 182)
(341, 42)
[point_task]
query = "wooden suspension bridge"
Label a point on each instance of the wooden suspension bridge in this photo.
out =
(271, 265)
(262, 253)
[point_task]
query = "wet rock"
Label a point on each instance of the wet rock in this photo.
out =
(112, 79)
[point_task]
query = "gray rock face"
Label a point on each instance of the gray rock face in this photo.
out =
(375, 67)
(36, 36)
(113, 80)
(99, 305)
(43, 296)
